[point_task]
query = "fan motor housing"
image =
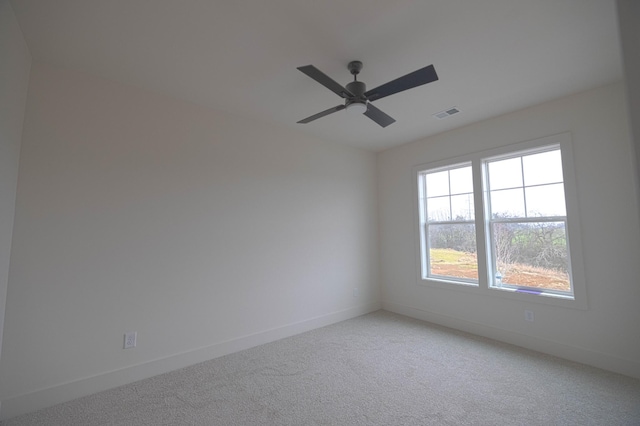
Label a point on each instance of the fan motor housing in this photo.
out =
(357, 88)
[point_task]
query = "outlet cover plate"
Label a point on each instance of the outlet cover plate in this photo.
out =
(130, 340)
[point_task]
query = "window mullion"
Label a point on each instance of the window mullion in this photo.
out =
(524, 196)
(479, 214)
(427, 246)
(452, 222)
(450, 205)
(533, 219)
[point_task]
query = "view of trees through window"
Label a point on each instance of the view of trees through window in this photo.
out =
(532, 254)
(453, 250)
(527, 254)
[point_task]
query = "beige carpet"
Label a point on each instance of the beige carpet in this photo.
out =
(378, 369)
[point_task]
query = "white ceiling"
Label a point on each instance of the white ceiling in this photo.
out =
(492, 56)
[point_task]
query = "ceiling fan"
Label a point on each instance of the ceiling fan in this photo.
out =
(358, 99)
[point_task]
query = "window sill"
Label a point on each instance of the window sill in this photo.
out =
(535, 292)
(447, 284)
(505, 293)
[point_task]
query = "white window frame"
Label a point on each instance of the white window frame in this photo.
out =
(485, 273)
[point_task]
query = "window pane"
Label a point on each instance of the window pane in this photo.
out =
(462, 207)
(438, 209)
(452, 251)
(507, 203)
(461, 180)
(438, 184)
(531, 255)
(505, 173)
(542, 168)
(545, 200)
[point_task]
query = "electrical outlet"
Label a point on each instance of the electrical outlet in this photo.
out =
(528, 315)
(130, 340)
(355, 292)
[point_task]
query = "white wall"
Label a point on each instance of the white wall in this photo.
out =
(604, 335)
(629, 24)
(15, 63)
(203, 232)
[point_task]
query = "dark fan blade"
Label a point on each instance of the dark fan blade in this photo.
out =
(322, 114)
(378, 116)
(326, 81)
(417, 78)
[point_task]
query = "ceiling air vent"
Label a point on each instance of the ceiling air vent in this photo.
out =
(446, 113)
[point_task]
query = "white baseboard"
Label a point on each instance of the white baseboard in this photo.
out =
(43, 398)
(561, 350)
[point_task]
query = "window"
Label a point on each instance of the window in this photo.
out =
(448, 220)
(497, 220)
(527, 221)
